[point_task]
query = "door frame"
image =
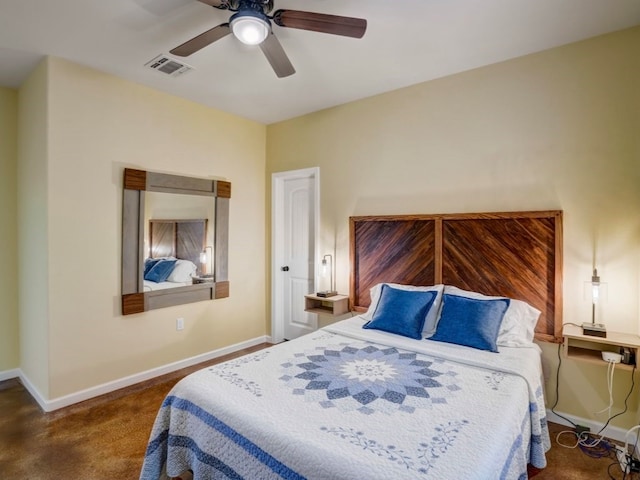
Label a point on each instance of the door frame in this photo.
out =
(278, 180)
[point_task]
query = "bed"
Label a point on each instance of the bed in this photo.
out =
(428, 379)
(175, 248)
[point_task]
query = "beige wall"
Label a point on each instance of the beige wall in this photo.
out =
(9, 352)
(33, 227)
(554, 130)
(97, 125)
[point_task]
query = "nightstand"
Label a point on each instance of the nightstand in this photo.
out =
(333, 306)
(202, 279)
(588, 348)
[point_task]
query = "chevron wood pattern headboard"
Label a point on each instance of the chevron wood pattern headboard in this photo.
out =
(513, 254)
(183, 239)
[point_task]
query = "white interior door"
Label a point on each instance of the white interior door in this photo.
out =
(295, 218)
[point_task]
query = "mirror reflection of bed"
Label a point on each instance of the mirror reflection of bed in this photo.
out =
(176, 231)
(175, 252)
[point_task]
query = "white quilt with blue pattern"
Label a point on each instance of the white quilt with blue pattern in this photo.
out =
(347, 403)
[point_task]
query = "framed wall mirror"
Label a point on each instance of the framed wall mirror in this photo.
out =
(175, 238)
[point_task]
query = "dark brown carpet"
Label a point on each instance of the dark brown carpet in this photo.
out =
(105, 438)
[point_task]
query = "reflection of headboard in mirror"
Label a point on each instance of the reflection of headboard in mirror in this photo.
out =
(517, 255)
(137, 183)
(183, 239)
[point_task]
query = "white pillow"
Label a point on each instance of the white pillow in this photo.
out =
(519, 322)
(182, 271)
(432, 315)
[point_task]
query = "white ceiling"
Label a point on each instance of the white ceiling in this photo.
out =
(407, 42)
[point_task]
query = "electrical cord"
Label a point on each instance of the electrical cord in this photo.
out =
(597, 446)
(630, 468)
(610, 371)
(592, 445)
(626, 475)
(583, 438)
(635, 446)
(558, 387)
(633, 371)
(626, 443)
(588, 441)
(558, 390)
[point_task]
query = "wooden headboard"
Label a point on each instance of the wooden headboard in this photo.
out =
(516, 255)
(184, 239)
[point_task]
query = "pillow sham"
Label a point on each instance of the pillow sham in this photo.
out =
(432, 314)
(470, 322)
(402, 312)
(182, 271)
(149, 263)
(518, 326)
(160, 271)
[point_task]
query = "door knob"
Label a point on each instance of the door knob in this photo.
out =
(284, 269)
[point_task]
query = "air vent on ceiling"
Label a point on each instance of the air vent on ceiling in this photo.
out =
(168, 65)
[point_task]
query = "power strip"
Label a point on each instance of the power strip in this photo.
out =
(628, 464)
(622, 459)
(611, 357)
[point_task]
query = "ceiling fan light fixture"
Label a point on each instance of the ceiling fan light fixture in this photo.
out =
(250, 27)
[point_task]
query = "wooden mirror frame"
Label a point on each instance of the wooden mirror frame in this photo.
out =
(136, 183)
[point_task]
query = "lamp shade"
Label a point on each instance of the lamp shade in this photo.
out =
(251, 28)
(595, 291)
(206, 259)
(325, 267)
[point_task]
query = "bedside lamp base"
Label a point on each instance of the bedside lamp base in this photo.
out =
(594, 329)
(326, 293)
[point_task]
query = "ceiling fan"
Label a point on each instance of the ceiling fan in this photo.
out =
(251, 24)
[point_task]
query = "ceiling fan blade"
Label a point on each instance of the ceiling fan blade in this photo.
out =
(202, 40)
(221, 4)
(320, 22)
(277, 57)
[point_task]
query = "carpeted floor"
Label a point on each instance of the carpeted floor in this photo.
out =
(105, 438)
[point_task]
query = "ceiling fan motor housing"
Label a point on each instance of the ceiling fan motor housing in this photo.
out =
(261, 6)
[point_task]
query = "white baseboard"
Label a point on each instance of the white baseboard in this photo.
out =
(35, 393)
(9, 374)
(614, 433)
(66, 400)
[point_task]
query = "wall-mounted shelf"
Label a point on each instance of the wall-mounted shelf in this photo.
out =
(334, 306)
(202, 279)
(588, 348)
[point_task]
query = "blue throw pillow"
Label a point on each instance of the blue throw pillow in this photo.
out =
(148, 265)
(470, 322)
(160, 271)
(402, 312)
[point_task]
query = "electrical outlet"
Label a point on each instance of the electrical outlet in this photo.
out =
(179, 323)
(581, 429)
